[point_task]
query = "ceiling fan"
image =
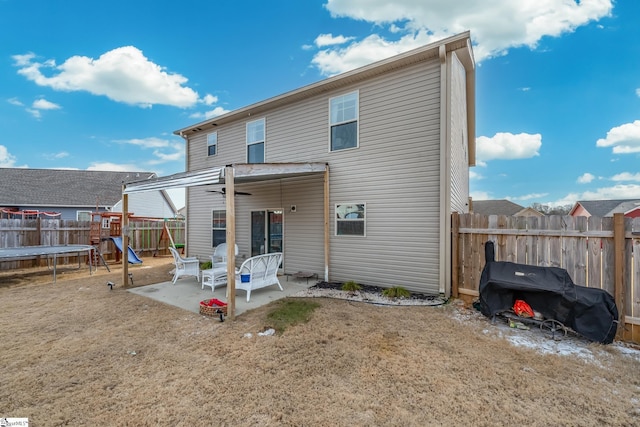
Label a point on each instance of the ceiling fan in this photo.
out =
(223, 192)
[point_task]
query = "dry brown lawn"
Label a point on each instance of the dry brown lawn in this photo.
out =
(75, 353)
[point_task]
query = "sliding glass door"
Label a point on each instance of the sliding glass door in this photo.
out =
(266, 232)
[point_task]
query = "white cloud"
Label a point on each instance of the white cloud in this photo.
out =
(151, 142)
(585, 178)
(475, 175)
(366, 51)
(56, 156)
(166, 157)
(480, 195)
(209, 99)
(43, 104)
(624, 139)
(328, 40)
(165, 150)
(529, 196)
(7, 160)
(218, 111)
(123, 74)
(15, 101)
(495, 25)
(620, 191)
(35, 113)
(638, 91)
(108, 166)
(626, 176)
(507, 146)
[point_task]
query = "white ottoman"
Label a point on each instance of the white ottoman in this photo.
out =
(214, 277)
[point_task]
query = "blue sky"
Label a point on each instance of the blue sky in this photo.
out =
(103, 85)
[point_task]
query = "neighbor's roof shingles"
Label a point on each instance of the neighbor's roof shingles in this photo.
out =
(59, 187)
(601, 208)
(496, 207)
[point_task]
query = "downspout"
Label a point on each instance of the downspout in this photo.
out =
(444, 265)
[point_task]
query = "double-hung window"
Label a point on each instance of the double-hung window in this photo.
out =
(83, 215)
(343, 118)
(218, 227)
(255, 141)
(212, 144)
(350, 219)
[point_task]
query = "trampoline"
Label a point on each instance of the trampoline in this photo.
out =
(54, 251)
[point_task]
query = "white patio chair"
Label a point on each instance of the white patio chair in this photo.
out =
(185, 266)
(219, 257)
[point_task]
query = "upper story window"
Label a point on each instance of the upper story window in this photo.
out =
(212, 144)
(343, 116)
(255, 141)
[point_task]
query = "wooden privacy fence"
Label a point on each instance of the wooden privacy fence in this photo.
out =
(145, 236)
(596, 252)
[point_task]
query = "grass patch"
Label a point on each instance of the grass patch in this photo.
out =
(290, 312)
(396, 292)
(351, 286)
(206, 265)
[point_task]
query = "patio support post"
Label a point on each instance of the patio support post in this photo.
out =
(326, 224)
(229, 181)
(618, 262)
(125, 237)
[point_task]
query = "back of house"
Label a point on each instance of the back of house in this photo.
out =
(397, 138)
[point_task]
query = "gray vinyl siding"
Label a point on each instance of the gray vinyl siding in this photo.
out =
(459, 138)
(395, 171)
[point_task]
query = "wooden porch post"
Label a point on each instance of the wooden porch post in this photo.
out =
(618, 262)
(229, 181)
(125, 238)
(455, 235)
(326, 224)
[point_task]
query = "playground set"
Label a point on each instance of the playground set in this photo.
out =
(147, 235)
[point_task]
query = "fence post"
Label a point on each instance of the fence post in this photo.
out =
(618, 248)
(455, 235)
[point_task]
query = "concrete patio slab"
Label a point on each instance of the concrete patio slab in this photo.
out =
(187, 293)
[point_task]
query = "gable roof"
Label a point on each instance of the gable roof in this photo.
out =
(625, 207)
(602, 208)
(63, 188)
(496, 207)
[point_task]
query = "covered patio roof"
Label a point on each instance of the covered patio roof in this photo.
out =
(243, 172)
(228, 175)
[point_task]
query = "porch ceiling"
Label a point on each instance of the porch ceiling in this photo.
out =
(243, 172)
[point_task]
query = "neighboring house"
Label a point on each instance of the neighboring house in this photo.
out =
(353, 178)
(75, 194)
(606, 208)
(502, 207)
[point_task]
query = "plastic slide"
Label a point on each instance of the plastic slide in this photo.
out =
(132, 258)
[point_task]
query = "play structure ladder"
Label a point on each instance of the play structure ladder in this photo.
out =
(97, 257)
